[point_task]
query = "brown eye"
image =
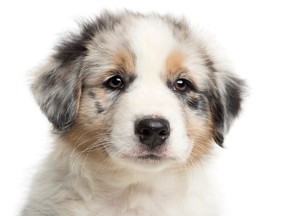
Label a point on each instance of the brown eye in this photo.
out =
(115, 83)
(181, 85)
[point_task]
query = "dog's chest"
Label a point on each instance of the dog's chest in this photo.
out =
(183, 194)
(138, 200)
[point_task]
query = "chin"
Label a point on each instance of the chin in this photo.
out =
(138, 104)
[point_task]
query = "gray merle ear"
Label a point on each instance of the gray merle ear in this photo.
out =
(225, 104)
(57, 90)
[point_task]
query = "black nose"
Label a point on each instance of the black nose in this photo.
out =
(153, 131)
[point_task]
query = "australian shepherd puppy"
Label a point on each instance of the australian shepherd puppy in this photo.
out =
(138, 103)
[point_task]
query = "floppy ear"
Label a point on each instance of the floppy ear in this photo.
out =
(57, 90)
(225, 104)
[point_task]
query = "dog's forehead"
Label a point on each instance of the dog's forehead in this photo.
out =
(151, 41)
(149, 47)
(160, 51)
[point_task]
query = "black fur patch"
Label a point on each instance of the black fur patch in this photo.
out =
(193, 103)
(197, 103)
(219, 139)
(91, 94)
(217, 111)
(234, 96)
(99, 107)
(225, 108)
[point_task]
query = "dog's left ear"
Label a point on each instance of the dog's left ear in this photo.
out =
(57, 90)
(225, 103)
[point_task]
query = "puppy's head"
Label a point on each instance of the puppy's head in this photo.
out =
(141, 90)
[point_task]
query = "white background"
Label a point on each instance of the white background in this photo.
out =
(254, 163)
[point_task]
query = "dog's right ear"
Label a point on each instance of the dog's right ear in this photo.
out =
(57, 90)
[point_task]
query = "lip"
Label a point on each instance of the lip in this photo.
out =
(149, 156)
(154, 157)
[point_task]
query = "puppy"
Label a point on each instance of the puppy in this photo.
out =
(138, 103)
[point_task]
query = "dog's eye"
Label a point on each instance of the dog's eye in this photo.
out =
(181, 85)
(115, 82)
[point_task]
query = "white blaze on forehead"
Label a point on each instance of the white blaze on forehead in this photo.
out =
(151, 42)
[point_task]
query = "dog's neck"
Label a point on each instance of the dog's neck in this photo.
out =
(102, 186)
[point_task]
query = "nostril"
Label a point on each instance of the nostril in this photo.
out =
(145, 132)
(163, 132)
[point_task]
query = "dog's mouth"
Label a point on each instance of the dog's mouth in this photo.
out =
(154, 157)
(157, 155)
(151, 156)
(149, 160)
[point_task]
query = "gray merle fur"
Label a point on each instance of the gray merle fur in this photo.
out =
(58, 88)
(225, 108)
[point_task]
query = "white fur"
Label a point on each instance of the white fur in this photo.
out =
(112, 191)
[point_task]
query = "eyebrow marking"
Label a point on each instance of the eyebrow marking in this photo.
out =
(124, 59)
(174, 62)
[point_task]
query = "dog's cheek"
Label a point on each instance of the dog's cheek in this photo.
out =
(91, 130)
(97, 103)
(87, 140)
(199, 128)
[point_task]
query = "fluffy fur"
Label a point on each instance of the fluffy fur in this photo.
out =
(122, 68)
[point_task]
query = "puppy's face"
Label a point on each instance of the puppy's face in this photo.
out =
(141, 91)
